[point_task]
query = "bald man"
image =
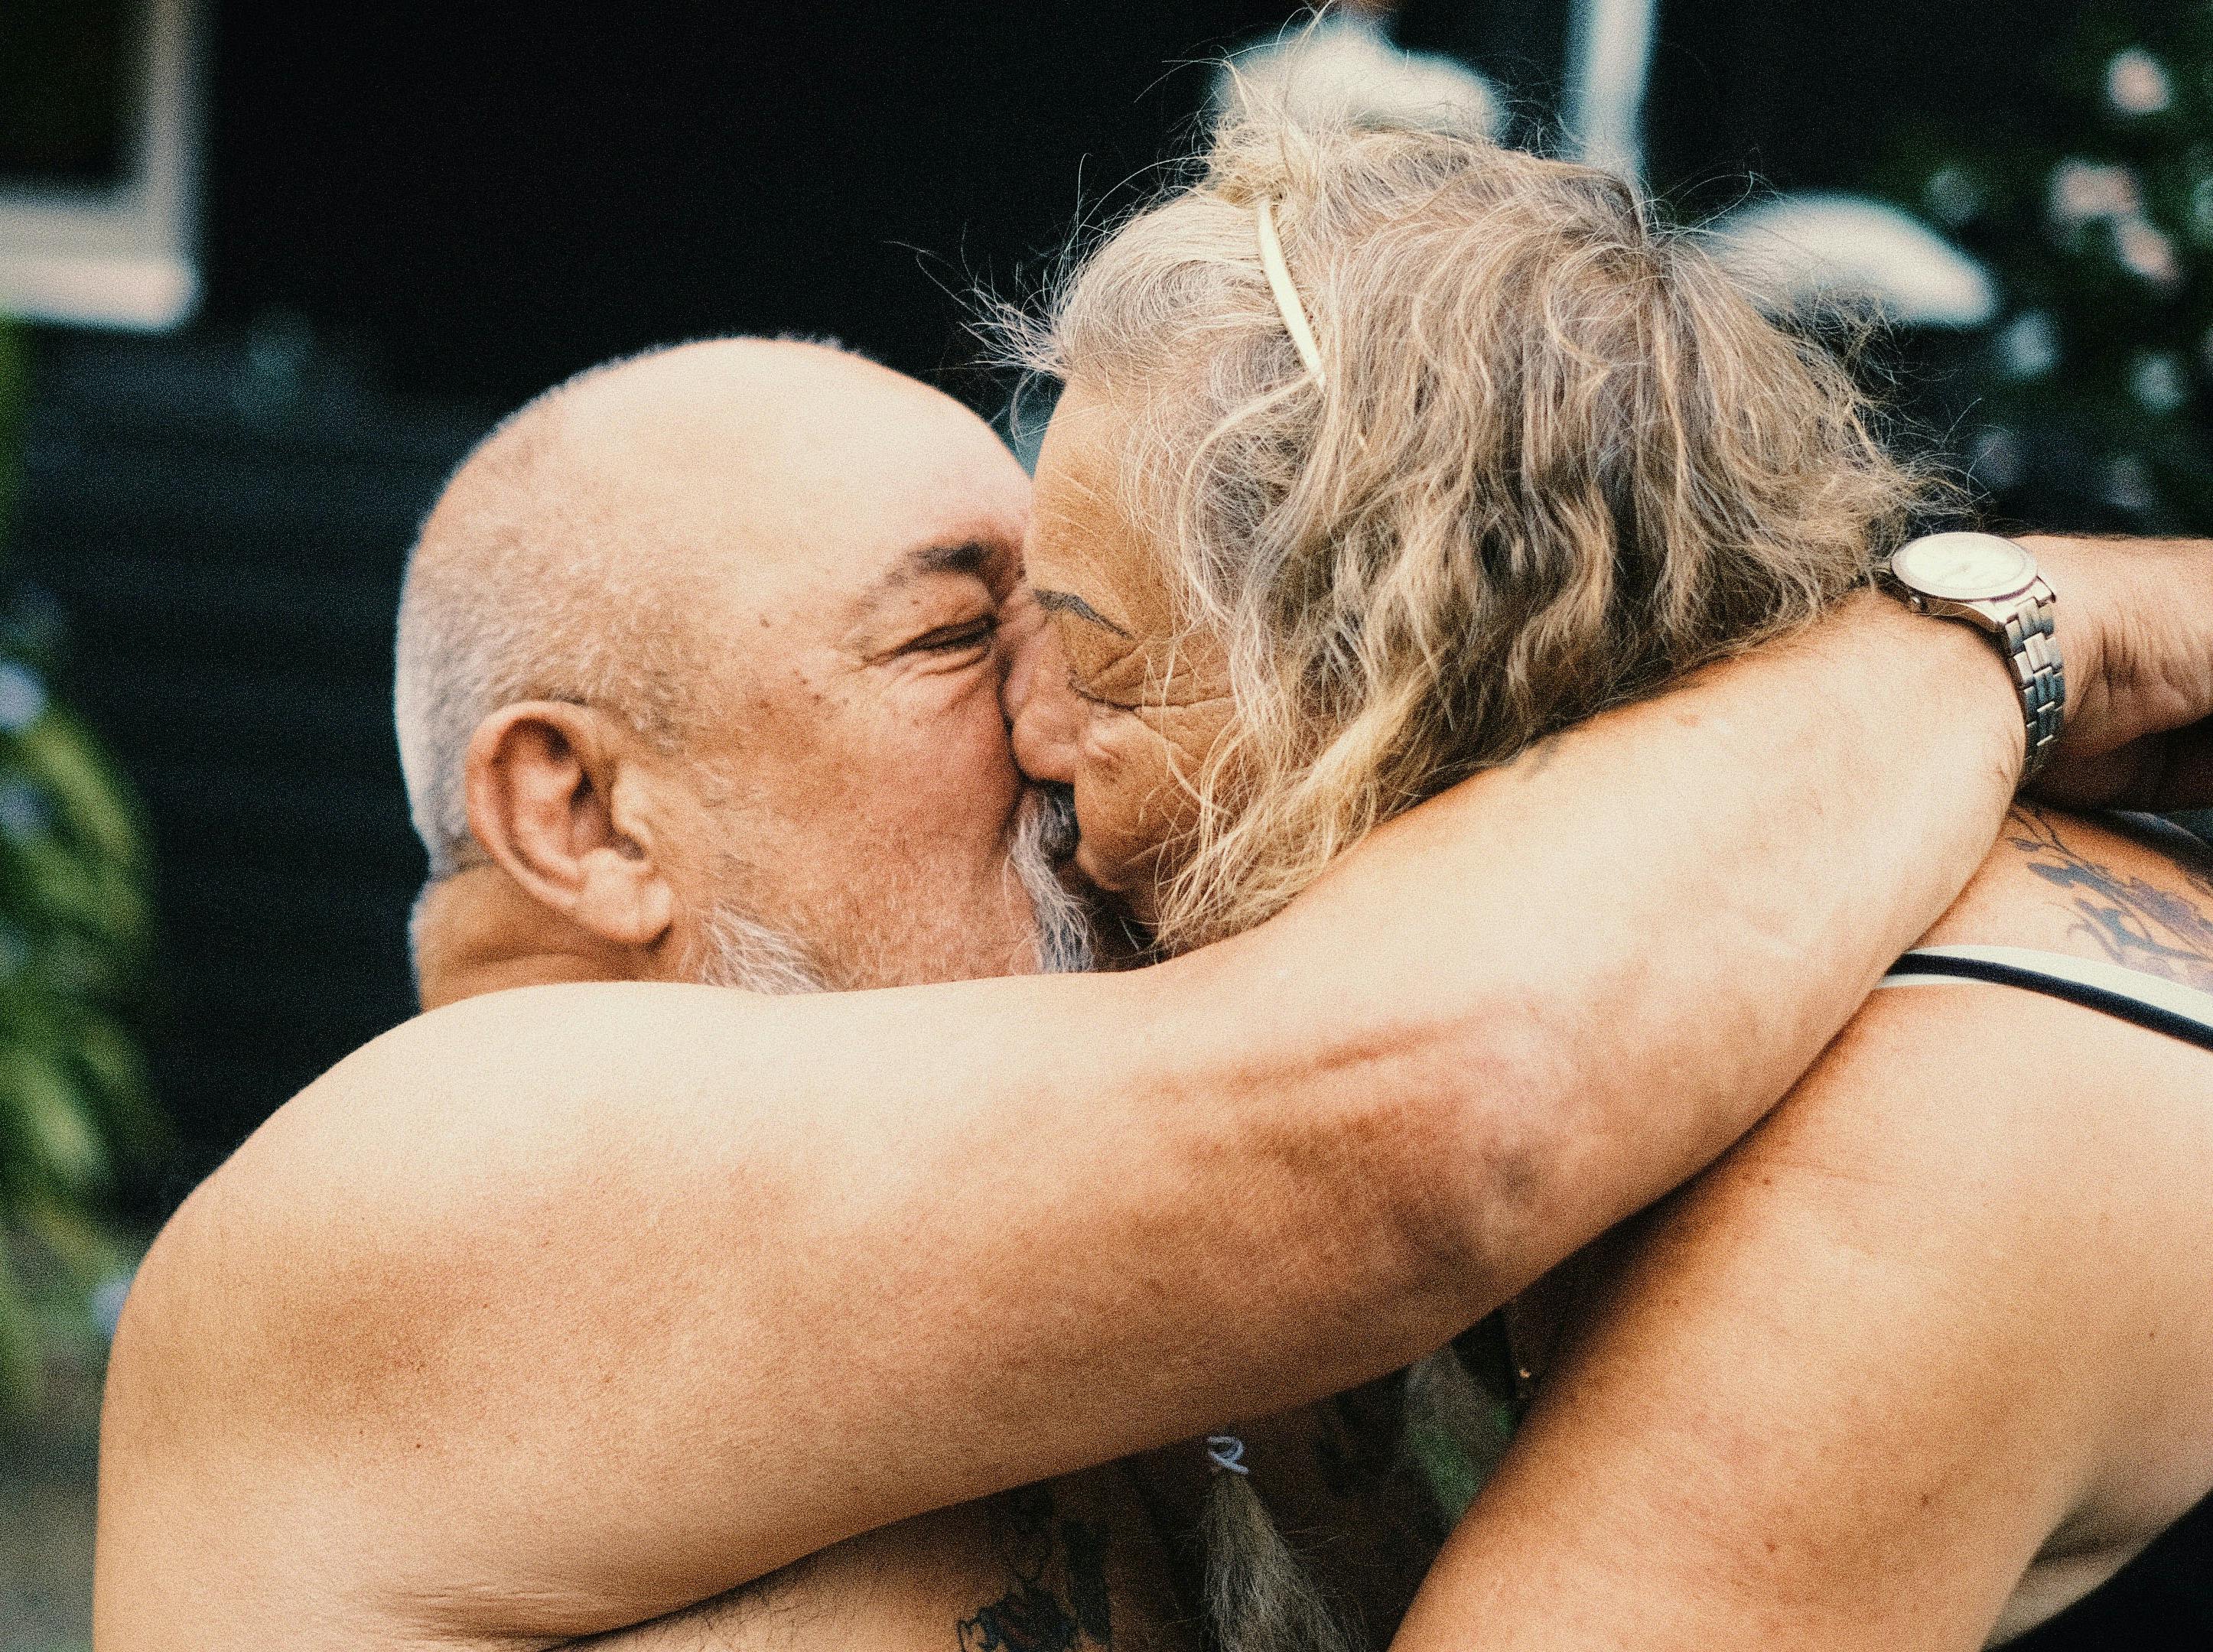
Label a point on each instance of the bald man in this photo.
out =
(596, 1292)
(698, 679)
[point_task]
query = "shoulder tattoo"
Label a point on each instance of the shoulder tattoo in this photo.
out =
(2137, 925)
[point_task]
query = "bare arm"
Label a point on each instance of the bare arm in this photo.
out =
(1941, 1315)
(758, 1275)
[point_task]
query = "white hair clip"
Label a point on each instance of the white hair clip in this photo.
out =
(1287, 296)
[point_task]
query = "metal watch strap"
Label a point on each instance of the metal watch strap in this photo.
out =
(2037, 671)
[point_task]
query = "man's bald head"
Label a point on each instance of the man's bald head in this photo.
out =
(606, 545)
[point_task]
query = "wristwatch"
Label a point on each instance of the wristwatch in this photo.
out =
(1993, 585)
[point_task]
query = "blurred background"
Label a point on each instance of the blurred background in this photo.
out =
(267, 269)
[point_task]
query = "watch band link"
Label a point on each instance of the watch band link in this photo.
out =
(2038, 672)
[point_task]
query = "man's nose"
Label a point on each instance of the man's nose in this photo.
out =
(1042, 713)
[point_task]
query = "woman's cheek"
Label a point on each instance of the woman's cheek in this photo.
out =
(1115, 784)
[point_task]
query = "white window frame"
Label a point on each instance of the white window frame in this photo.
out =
(126, 256)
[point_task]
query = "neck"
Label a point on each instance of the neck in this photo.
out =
(478, 931)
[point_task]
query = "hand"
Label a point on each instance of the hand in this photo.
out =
(2135, 630)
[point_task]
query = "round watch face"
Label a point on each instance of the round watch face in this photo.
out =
(1964, 567)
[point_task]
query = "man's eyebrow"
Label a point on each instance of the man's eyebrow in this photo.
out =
(968, 559)
(972, 557)
(1069, 602)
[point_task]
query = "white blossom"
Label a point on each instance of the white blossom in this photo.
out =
(2137, 83)
(2128, 485)
(22, 696)
(1953, 195)
(1995, 458)
(23, 813)
(2145, 251)
(2082, 191)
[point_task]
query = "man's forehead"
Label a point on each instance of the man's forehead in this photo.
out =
(798, 481)
(963, 514)
(754, 414)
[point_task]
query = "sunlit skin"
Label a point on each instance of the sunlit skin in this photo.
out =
(1125, 699)
(560, 1307)
(864, 751)
(845, 537)
(2026, 1444)
(1925, 1359)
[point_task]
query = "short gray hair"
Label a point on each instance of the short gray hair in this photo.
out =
(520, 586)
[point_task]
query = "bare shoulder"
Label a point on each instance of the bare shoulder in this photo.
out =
(2058, 1114)
(2006, 1076)
(2129, 890)
(2077, 1147)
(1948, 1299)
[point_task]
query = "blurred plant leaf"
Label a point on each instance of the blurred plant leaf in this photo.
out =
(56, 1130)
(13, 397)
(74, 924)
(60, 757)
(86, 1251)
(116, 1075)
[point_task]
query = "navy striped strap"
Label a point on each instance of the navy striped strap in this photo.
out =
(2148, 1001)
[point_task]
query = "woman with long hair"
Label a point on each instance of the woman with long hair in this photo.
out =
(1382, 456)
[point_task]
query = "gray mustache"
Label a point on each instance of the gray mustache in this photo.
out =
(1057, 830)
(1044, 839)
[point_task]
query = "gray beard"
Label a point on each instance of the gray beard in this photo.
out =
(1044, 838)
(738, 950)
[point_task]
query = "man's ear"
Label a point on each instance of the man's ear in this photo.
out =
(542, 778)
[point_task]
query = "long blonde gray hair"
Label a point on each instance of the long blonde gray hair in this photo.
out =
(1556, 461)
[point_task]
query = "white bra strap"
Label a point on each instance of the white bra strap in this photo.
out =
(2094, 979)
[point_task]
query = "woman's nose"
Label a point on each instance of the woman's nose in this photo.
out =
(1043, 715)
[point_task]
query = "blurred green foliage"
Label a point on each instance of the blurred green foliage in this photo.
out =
(2092, 395)
(73, 931)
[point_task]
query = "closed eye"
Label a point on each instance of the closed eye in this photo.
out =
(1077, 688)
(952, 639)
